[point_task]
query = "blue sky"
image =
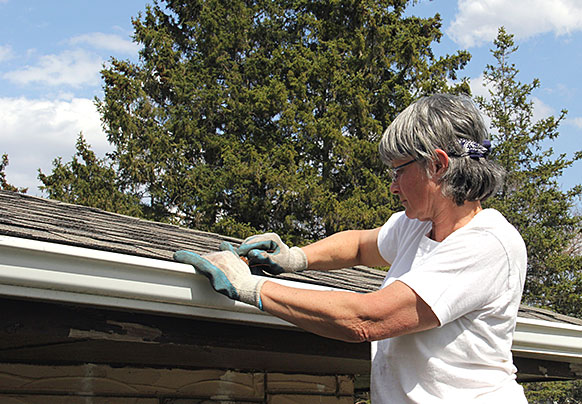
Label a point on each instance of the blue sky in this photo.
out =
(51, 53)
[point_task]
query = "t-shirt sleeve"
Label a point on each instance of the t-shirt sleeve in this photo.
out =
(462, 274)
(388, 238)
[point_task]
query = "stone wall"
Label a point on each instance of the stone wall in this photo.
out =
(101, 384)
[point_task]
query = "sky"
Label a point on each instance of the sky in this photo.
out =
(51, 53)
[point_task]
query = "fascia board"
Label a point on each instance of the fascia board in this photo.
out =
(56, 272)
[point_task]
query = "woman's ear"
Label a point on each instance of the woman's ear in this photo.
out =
(441, 162)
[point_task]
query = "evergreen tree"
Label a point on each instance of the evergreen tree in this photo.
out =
(4, 185)
(89, 181)
(533, 201)
(532, 198)
(248, 116)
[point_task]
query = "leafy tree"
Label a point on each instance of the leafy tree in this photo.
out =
(4, 185)
(533, 201)
(89, 181)
(247, 116)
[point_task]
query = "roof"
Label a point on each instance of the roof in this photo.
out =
(52, 221)
(82, 254)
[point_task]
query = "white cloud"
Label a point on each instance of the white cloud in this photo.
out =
(5, 52)
(478, 87)
(541, 110)
(577, 122)
(477, 21)
(34, 132)
(74, 68)
(108, 42)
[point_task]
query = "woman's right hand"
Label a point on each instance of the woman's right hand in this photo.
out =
(268, 252)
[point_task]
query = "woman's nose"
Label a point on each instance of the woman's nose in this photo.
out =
(395, 187)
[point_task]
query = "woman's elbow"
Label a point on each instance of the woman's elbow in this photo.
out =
(369, 331)
(358, 332)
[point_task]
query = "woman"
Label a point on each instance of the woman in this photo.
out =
(442, 324)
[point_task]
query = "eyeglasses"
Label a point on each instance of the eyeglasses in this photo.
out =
(396, 170)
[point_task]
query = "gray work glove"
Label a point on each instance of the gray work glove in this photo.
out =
(269, 253)
(227, 273)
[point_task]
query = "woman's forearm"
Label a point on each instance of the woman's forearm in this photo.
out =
(349, 316)
(345, 249)
(329, 314)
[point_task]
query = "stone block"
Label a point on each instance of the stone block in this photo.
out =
(345, 385)
(307, 399)
(203, 401)
(41, 399)
(299, 383)
(90, 379)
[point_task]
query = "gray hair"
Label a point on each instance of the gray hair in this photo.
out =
(440, 122)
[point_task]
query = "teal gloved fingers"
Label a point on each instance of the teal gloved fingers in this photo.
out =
(268, 252)
(255, 269)
(226, 246)
(261, 242)
(227, 273)
(217, 278)
(264, 260)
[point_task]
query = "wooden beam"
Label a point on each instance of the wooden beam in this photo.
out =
(50, 333)
(538, 370)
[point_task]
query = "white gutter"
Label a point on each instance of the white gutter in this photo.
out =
(540, 339)
(56, 272)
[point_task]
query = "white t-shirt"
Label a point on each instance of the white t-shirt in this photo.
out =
(473, 281)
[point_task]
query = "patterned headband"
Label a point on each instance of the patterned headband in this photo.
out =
(473, 149)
